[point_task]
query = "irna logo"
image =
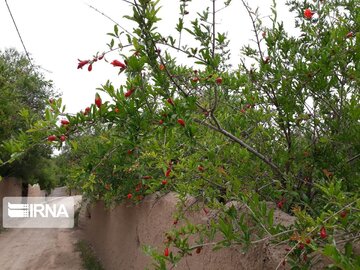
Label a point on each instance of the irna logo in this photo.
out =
(33, 210)
(38, 212)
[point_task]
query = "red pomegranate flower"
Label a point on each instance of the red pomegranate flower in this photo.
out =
(218, 80)
(87, 110)
(350, 34)
(90, 67)
(62, 138)
(98, 101)
(170, 101)
(308, 13)
(166, 252)
(82, 63)
(195, 79)
(323, 233)
(117, 63)
(181, 122)
(51, 138)
(129, 196)
(64, 122)
(129, 93)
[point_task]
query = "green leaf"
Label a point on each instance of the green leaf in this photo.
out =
(271, 217)
(116, 30)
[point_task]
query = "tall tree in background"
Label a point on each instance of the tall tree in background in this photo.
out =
(23, 96)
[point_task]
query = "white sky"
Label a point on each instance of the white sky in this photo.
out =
(57, 33)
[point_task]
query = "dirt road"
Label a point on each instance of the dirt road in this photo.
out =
(40, 249)
(35, 249)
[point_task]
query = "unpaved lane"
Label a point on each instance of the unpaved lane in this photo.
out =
(35, 249)
(39, 249)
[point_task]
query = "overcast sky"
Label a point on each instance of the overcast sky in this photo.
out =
(57, 33)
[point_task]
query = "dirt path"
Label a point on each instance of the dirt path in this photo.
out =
(35, 249)
(39, 249)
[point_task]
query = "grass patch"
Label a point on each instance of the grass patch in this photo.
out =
(90, 262)
(76, 217)
(2, 229)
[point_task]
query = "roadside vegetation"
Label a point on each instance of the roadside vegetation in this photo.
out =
(282, 126)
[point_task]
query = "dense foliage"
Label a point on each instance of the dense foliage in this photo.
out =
(283, 126)
(23, 97)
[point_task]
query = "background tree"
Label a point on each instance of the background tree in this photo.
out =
(24, 93)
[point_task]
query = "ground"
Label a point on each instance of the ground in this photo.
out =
(40, 249)
(37, 249)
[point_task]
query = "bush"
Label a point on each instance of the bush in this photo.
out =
(282, 127)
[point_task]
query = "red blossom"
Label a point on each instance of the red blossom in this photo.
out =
(129, 93)
(90, 67)
(308, 13)
(343, 214)
(195, 80)
(64, 122)
(51, 138)
(201, 168)
(117, 63)
(62, 138)
(166, 252)
(82, 63)
(170, 101)
(87, 110)
(350, 34)
(218, 80)
(323, 233)
(129, 196)
(164, 182)
(98, 101)
(280, 204)
(168, 172)
(161, 122)
(181, 122)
